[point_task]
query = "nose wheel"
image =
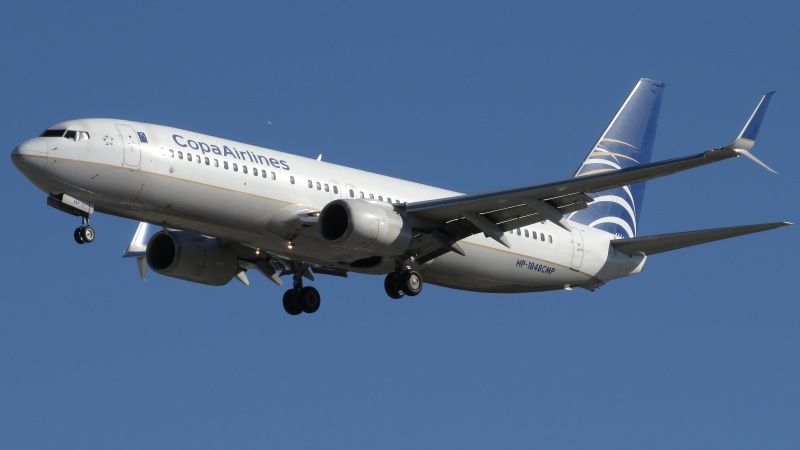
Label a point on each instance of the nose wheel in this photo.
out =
(84, 234)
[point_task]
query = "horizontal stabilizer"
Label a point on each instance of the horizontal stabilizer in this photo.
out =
(651, 245)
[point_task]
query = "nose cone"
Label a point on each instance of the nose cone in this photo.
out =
(30, 157)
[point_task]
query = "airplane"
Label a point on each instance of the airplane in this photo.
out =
(226, 207)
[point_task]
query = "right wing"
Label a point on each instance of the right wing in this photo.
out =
(651, 245)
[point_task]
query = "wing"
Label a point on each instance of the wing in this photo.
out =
(443, 222)
(651, 245)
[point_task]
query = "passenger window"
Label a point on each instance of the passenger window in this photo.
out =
(327, 188)
(319, 186)
(272, 175)
(235, 167)
(71, 135)
(519, 233)
(541, 236)
(291, 179)
(549, 239)
(180, 154)
(216, 163)
(371, 197)
(360, 194)
(198, 159)
(171, 153)
(526, 233)
(310, 184)
(380, 198)
(208, 161)
(244, 170)
(255, 172)
(335, 189)
(225, 165)
(188, 156)
(352, 194)
(388, 199)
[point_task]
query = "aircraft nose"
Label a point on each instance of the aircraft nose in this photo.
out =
(30, 156)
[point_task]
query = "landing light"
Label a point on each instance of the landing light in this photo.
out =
(289, 246)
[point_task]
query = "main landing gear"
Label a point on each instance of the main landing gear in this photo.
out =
(403, 282)
(301, 299)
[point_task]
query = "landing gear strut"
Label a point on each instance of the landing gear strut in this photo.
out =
(403, 282)
(301, 299)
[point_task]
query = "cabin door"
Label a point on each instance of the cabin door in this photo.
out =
(131, 152)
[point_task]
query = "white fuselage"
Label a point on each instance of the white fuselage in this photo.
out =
(262, 198)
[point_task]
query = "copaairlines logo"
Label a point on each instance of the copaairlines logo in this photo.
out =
(613, 210)
(242, 155)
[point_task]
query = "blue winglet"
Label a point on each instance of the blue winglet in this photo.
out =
(747, 138)
(750, 130)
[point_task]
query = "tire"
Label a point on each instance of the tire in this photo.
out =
(87, 233)
(290, 303)
(411, 282)
(393, 286)
(309, 299)
(78, 236)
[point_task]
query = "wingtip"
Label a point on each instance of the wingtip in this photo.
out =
(753, 125)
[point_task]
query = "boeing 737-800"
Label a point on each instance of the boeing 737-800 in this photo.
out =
(226, 207)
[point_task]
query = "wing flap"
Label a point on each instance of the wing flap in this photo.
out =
(651, 245)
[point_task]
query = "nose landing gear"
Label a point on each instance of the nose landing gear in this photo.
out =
(77, 207)
(84, 234)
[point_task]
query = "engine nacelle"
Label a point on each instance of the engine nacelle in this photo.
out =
(365, 227)
(191, 257)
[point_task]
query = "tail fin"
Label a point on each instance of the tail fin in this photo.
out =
(626, 142)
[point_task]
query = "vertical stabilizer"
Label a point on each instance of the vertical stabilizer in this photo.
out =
(626, 142)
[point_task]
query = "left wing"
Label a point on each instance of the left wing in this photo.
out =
(443, 222)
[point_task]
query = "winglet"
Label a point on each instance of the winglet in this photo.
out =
(750, 130)
(747, 138)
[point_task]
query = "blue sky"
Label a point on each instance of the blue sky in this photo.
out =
(699, 351)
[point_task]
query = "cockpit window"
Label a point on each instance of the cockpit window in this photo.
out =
(73, 135)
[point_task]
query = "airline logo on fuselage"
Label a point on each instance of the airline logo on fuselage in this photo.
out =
(243, 155)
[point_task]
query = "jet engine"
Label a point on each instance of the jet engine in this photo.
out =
(365, 227)
(191, 257)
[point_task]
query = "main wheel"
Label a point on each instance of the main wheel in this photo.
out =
(87, 233)
(290, 302)
(411, 282)
(308, 299)
(393, 286)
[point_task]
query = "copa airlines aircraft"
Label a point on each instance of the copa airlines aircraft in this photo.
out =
(225, 207)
